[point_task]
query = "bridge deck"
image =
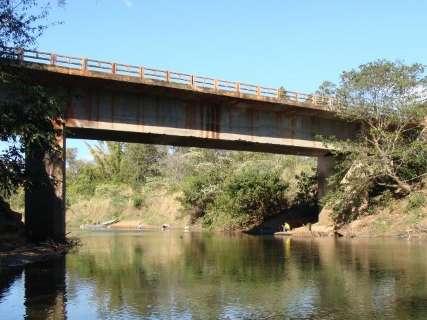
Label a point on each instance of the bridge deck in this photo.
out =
(123, 72)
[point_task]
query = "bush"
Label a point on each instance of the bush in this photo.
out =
(416, 201)
(200, 190)
(138, 201)
(307, 186)
(247, 197)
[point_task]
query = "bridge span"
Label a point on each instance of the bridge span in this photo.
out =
(113, 101)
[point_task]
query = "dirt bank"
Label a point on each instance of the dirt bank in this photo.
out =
(403, 218)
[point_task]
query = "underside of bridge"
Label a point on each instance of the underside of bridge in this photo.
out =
(109, 108)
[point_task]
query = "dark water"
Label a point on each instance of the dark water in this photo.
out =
(172, 275)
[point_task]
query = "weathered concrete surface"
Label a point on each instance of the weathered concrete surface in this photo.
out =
(45, 200)
(222, 124)
(325, 167)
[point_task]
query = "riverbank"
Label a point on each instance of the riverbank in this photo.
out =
(20, 253)
(399, 218)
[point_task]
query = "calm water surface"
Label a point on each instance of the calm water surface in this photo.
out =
(173, 275)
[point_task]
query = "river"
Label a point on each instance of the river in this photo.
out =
(177, 275)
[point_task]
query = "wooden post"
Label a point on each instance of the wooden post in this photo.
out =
(113, 68)
(141, 72)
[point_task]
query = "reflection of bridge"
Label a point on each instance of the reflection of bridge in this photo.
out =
(112, 101)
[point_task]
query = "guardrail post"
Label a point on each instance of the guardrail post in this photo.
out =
(21, 55)
(216, 85)
(52, 58)
(296, 97)
(113, 68)
(168, 76)
(314, 99)
(258, 91)
(84, 64)
(238, 87)
(192, 81)
(141, 72)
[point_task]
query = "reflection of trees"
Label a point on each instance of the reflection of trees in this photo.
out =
(368, 277)
(211, 275)
(194, 273)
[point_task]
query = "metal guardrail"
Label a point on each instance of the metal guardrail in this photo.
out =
(192, 81)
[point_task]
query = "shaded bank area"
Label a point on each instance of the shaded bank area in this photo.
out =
(16, 250)
(22, 252)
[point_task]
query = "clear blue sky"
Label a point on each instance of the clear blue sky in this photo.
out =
(297, 44)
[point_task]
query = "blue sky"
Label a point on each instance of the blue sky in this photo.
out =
(297, 44)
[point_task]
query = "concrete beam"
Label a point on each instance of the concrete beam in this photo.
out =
(222, 124)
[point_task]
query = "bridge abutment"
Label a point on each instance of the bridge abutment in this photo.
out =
(325, 168)
(45, 198)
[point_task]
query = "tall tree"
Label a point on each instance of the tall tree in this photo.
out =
(26, 109)
(390, 153)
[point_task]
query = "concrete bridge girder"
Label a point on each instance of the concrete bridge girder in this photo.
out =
(105, 109)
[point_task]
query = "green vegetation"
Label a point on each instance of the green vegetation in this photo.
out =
(27, 110)
(389, 157)
(219, 189)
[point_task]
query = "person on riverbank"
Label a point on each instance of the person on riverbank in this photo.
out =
(286, 227)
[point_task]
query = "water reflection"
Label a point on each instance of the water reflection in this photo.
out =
(41, 297)
(210, 276)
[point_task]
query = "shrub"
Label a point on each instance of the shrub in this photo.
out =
(200, 190)
(138, 201)
(247, 197)
(416, 201)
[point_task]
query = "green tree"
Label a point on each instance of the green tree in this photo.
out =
(141, 161)
(390, 153)
(247, 197)
(108, 158)
(27, 110)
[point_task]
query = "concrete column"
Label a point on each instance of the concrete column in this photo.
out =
(44, 200)
(325, 167)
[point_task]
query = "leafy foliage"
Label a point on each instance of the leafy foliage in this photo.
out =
(27, 110)
(247, 197)
(384, 98)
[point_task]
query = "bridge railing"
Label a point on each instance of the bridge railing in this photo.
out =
(193, 81)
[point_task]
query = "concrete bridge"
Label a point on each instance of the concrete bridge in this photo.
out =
(113, 101)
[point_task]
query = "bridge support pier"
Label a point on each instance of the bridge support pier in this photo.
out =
(44, 199)
(325, 167)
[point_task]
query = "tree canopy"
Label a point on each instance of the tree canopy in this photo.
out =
(390, 152)
(27, 110)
